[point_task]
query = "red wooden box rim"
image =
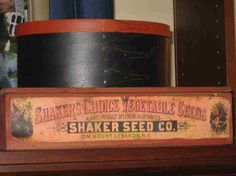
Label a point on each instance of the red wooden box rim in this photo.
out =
(92, 25)
(53, 90)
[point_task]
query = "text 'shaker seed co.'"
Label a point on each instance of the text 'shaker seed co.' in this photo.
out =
(104, 127)
(78, 119)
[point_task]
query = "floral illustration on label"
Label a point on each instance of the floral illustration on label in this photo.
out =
(21, 119)
(218, 119)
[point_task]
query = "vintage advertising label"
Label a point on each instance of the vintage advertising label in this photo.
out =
(71, 119)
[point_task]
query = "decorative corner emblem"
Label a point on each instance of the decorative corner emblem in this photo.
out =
(21, 119)
(218, 118)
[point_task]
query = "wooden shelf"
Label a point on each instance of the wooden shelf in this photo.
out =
(150, 160)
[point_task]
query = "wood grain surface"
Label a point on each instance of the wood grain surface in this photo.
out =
(135, 161)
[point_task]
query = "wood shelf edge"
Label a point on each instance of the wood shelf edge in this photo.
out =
(71, 160)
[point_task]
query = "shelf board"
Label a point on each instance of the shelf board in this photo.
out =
(223, 157)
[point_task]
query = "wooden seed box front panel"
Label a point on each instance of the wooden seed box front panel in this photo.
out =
(49, 118)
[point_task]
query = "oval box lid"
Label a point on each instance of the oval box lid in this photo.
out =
(92, 25)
